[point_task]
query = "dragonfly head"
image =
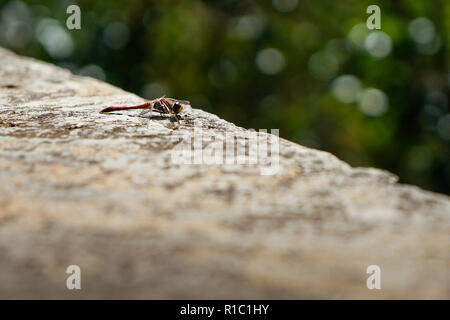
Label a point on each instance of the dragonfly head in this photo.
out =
(177, 107)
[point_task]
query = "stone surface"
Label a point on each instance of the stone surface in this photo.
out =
(101, 191)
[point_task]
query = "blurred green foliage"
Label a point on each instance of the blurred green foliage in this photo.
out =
(272, 64)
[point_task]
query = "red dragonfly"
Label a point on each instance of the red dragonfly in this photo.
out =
(162, 105)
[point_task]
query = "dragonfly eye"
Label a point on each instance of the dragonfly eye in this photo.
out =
(177, 107)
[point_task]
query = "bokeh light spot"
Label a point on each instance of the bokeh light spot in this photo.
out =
(247, 27)
(339, 48)
(346, 88)
(323, 66)
(421, 30)
(431, 47)
(432, 110)
(16, 23)
(18, 34)
(15, 11)
(378, 44)
(373, 102)
(270, 61)
(438, 99)
(55, 39)
(285, 5)
(357, 35)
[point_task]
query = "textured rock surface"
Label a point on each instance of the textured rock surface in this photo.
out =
(100, 191)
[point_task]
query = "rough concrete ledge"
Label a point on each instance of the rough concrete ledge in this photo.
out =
(100, 191)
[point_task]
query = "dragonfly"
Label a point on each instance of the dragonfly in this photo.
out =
(162, 105)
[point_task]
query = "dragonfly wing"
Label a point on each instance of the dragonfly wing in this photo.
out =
(180, 101)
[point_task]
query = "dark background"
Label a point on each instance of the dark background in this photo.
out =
(310, 68)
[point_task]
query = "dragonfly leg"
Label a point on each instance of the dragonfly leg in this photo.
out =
(149, 110)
